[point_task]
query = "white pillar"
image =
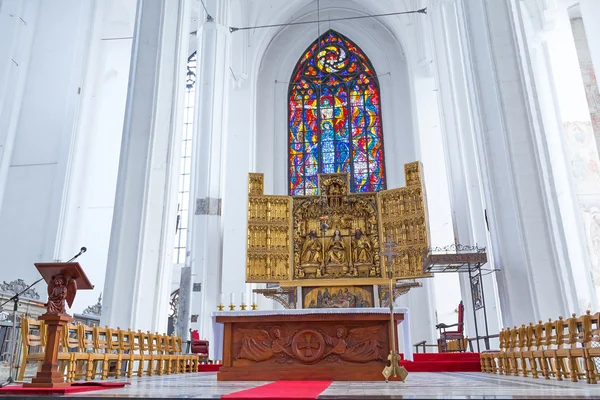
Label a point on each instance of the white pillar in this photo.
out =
(455, 82)
(569, 107)
(514, 166)
(205, 233)
(138, 278)
(90, 194)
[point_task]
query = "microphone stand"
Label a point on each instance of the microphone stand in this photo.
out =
(13, 337)
(13, 343)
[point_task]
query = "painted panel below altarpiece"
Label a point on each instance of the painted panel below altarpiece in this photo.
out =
(337, 297)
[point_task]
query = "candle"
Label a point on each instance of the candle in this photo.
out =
(232, 299)
(254, 298)
(243, 298)
(222, 299)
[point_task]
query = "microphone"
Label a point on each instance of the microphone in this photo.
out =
(81, 251)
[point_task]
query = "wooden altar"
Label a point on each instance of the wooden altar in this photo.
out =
(303, 345)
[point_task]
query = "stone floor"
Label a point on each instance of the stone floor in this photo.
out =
(418, 386)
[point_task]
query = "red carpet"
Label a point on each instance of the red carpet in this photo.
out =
(298, 390)
(209, 367)
(76, 387)
(443, 362)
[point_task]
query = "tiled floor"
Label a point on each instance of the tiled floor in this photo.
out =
(418, 385)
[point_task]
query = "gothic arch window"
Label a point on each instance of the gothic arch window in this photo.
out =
(183, 192)
(334, 117)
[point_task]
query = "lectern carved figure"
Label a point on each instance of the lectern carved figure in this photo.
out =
(63, 279)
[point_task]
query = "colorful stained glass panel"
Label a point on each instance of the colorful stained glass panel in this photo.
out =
(334, 117)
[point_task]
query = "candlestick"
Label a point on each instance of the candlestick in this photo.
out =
(253, 306)
(232, 302)
(254, 298)
(243, 298)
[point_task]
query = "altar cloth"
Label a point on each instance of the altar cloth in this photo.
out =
(404, 338)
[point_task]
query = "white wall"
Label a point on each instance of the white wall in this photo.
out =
(44, 119)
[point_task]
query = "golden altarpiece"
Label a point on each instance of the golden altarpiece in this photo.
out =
(329, 244)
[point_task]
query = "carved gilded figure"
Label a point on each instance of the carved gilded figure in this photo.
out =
(336, 251)
(312, 251)
(362, 249)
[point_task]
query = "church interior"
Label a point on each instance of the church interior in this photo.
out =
(304, 199)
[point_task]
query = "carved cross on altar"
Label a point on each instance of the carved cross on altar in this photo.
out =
(389, 253)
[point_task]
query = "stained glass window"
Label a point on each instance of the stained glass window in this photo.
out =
(335, 117)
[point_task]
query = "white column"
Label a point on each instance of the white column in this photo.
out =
(455, 81)
(514, 165)
(568, 116)
(138, 278)
(90, 194)
(205, 233)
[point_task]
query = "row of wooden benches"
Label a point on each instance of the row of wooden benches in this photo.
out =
(561, 348)
(87, 352)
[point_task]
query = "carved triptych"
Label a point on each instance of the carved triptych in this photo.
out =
(334, 238)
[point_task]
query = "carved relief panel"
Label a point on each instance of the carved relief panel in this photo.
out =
(310, 343)
(404, 219)
(269, 237)
(336, 235)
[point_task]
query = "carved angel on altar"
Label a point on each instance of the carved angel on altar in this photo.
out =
(257, 344)
(59, 291)
(359, 346)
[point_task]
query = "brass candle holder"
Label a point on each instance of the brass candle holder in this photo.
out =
(231, 307)
(243, 307)
(253, 307)
(220, 307)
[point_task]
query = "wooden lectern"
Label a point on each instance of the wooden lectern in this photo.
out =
(63, 279)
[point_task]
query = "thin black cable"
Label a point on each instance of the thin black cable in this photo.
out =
(421, 11)
(208, 16)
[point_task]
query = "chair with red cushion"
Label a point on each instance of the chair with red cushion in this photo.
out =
(457, 334)
(199, 347)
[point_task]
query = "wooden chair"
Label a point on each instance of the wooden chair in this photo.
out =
(592, 351)
(189, 362)
(579, 339)
(133, 346)
(33, 338)
(556, 330)
(198, 346)
(457, 334)
(82, 362)
(526, 344)
(72, 349)
(512, 354)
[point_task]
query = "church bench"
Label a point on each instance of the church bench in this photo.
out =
(87, 352)
(563, 349)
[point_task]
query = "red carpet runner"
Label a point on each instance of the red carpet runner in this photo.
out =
(298, 390)
(443, 362)
(74, 388)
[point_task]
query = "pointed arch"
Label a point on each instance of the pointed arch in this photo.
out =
(334, 117)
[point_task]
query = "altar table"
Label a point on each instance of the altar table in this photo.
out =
(336, 344)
